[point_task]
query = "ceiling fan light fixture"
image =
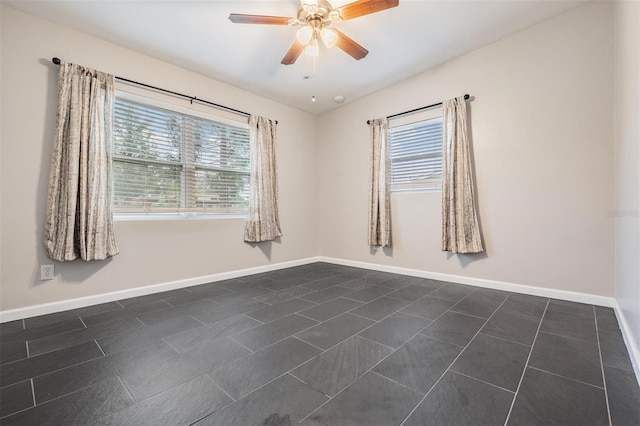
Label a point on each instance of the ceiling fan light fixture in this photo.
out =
(334, 16)
(312, 48)
(310, 7)
(329, 37)
(304, 34)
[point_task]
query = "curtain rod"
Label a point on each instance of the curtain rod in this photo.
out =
(191, 98)
(466, 96)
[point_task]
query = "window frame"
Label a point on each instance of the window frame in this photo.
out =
(180, 106)
(429, 185)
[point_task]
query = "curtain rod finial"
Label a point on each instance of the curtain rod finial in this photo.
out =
(56, 61)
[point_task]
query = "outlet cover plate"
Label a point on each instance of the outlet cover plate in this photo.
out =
(46, 272)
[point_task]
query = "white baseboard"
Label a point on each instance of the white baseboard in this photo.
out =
(481, 282)
(81, 302)
(629, 340)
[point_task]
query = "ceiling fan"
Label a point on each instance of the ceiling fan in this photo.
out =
(316, 18)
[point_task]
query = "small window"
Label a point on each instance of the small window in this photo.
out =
(167, 162)
(415, 151)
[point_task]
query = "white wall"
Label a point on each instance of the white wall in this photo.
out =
(627, 165)
(151, 251)
(542, 140)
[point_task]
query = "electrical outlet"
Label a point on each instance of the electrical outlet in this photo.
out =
(46, 272)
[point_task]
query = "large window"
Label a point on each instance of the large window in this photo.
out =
(415, 150)
(170, 162)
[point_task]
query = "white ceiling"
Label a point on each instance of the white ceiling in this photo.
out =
(197, 35)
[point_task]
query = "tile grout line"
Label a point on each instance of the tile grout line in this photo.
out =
(83, 323)
(196, 319)
(235, 341)
(567, 378)
(33, 392)
(458, 356)
(482, 381)
(120, 304)
(99, 347)
(526, 364)
(569, 337)
(604, 378)
(124, 385)
(219, 387)
(397, 383)
(26, 343)
(506, 340)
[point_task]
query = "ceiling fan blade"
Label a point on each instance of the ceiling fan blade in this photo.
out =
(365, 7)
(292, 55)
(238, 18)
(351, 47)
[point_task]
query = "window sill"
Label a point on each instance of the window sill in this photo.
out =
(175, 216)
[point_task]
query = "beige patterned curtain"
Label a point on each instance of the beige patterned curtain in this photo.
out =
(79, 222)
(263, 223)
(379, 205)
(460, 230)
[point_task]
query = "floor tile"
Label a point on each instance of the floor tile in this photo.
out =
(75, 337)
(524, 304)
(327, 294)
(396, 329)
(140, 336)
(361, 283)
(284, 401)
(509, 326)
(453, 292)
(12, 351)
(272, 313)
(240, 298)
(219, 313)
(371, 400)
(49, 319)
(19, 338)
(380, 308)
(337, 368)
(187, 339)
(399, 281)
(545, 399)
(369, 294)
(282, 285)
(160, 375)
(79, 376)
(325, 282)
(284, 295)
(126, 313)
(569, 325)
(410, 293)
(430, 284)
(460, 400)
(83, 407)
(264, 335)
(557, 306)
(614, 351)
(16, 397)
(11, 327)
(606, 320)
(570, 358)
(482, 303)
(419, 363)
(492, 360)
(181, 405)
(454, 328)
(189, 297)
(428, 307)
(245, 375)
(35, 366)
(330, 309)
(327, 334)
(624, 396)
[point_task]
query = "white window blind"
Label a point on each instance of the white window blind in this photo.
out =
(171, 162)
(415, 151)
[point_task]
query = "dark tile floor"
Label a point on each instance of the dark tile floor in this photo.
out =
(320, 344)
